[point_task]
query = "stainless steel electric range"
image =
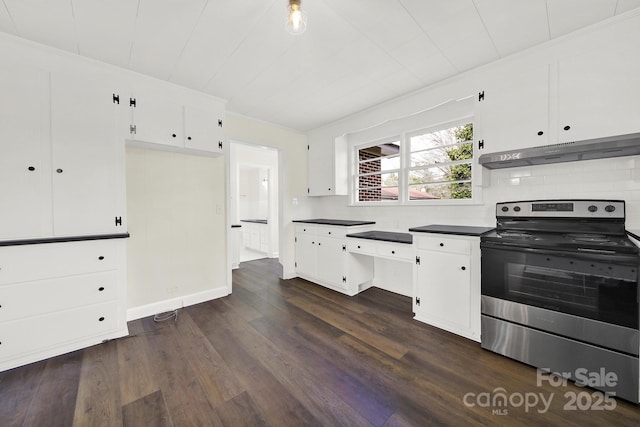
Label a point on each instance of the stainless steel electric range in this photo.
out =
(560, 290)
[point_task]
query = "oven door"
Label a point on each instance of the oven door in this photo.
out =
(601, 287)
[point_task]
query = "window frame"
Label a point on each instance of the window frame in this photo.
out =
(404, 139)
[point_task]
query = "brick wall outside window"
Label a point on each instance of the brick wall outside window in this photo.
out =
(372, 194)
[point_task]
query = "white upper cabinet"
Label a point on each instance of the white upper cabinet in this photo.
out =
(87, 158)
(327, 167)
(204, 128)
(159, 118)
(588, 95)
(24, 153)
(598, 92)
(513, 110)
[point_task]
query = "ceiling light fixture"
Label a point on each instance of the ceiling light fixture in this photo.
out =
(297, 20)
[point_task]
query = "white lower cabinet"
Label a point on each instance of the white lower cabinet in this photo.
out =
(60, 297)
(321, 256)
(447, 283)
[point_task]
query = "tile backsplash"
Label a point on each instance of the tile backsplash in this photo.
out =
(614, 178)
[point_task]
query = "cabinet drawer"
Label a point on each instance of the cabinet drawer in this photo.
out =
(305, 228)
(46, 296)
(396, 250)
(362, 246)
(338, 232)
(35, 262)
(445, 244)
(32, 334)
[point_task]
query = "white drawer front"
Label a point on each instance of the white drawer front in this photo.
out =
(46, 296)
(26, 263)
(32, 334)
(338, 232)
(306, 228)
(445, 244)
(362, 246)
(396, 250)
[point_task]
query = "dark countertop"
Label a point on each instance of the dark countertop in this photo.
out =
(460, 230)
(386, 236)
(257, 221)
(342, 222)
(235, 226)
(634, 233)
(43, 240)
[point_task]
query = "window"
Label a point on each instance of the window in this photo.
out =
(422, 166)
(378, 171)
(440, 163)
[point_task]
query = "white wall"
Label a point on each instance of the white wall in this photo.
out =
(176, 254)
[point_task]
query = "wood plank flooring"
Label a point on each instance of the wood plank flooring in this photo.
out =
(289, 353)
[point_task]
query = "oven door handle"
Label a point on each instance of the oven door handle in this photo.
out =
(627, 259)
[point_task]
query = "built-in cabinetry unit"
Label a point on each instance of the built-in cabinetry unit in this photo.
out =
(446, 278)
(255, 235)
(58, 297)
(61, 167)
(327, 167)
(588, 95)
(62, 257)
(159, 118)
(321, 256)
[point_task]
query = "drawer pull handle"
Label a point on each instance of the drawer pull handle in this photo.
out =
(463, 268)
(101, 288)
(100, 257)
(393, 252)
(59, 170)
(441, 244)
(329, 232)
(358, 246)
(31, 168)
(173, 135)
(101, 319)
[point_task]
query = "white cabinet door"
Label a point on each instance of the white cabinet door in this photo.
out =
(203, 128)
(513, 110)
(306, 255)
(444, 289)
(331, 261)
(87, 158)
(598, 93)
(327, 168)
(25, 170)
(158, 119)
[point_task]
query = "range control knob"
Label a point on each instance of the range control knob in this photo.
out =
(609, 208)
(505, 209)
(592, 208)
(516, 208)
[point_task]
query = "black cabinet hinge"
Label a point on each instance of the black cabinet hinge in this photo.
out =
(344, 248)
(307, 147)
(219, 123)
(481, 144)
(295, 264)
(308, 191)
(116, 99)
(132, 102)
(295, 239)
(417, 300)
(220, 145)
(480, 96)
(344, 279)
(118, 221)
(417, 260)
(132, 129)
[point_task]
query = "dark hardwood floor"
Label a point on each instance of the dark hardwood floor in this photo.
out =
(290, 353)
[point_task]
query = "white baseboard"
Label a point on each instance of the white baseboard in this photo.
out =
(139, 312)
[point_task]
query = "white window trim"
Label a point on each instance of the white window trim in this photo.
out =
(403, 173)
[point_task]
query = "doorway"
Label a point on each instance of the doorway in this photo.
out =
(253, 202)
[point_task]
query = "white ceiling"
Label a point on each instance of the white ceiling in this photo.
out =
(354, 54)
